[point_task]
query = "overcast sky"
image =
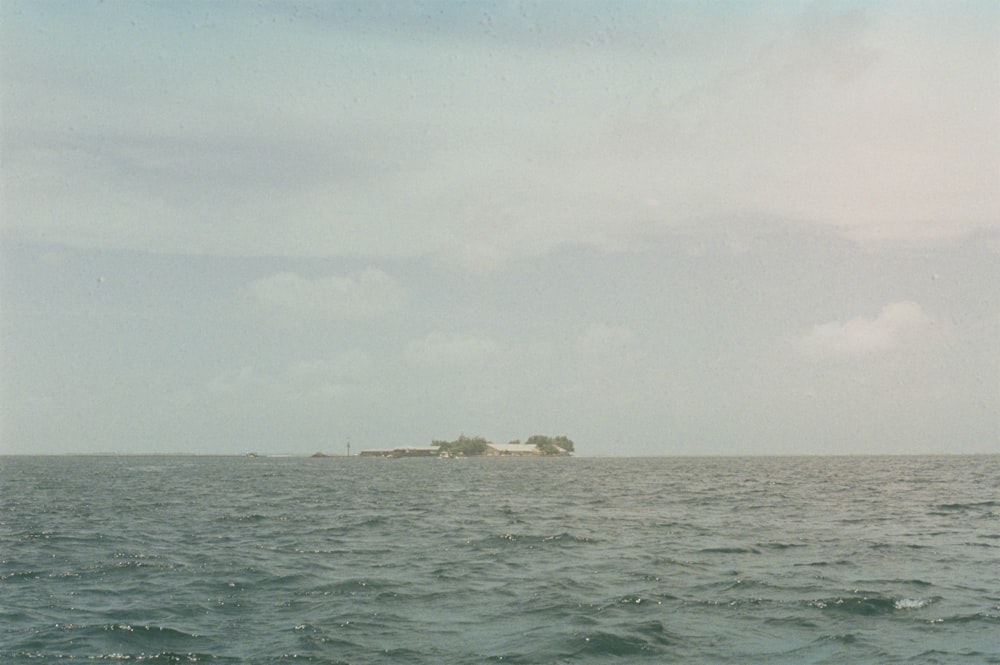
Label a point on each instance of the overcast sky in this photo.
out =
(654, 227)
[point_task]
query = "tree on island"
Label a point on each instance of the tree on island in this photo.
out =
(551, 445)
(468, 446)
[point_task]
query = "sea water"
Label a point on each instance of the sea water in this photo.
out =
(561, 560)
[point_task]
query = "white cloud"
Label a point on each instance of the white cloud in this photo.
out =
(331, 378)
(607, 371)
(601, 343)
(348, 366)
(300, 382)
(440, 349)
(994, 243)
(369, 294)
(897, 324)
(235, 382)
(876, 124)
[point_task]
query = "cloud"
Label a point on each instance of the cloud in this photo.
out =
(897, 324)
(326, 378)
(601, 343)
(607, 371)
(369, 294)
(994, 243)
(300, 382)
(235, 382)
(439, 349)
(483, 142)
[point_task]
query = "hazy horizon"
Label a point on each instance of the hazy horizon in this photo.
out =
(690, 229)
(513, 459)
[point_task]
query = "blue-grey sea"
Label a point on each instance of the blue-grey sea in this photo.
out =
(559, 560)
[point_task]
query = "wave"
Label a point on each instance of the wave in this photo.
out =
(973, 505)
(120, 656)
(318, 636)
(20, 575)
(160, 632)
(243, 517)
(870, 605)
(530, 541)
(729, 550)
(648, 637)
(780, 546)
(610, 644)
(116, 641)
(821, 564)
(983, 617)
(362, 564)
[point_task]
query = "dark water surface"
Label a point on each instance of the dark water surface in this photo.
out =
(350, 560)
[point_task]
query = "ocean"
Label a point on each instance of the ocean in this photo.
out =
(466, 561)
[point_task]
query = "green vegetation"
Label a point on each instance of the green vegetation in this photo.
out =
(551, 445)
(465, 446)
(468, 446)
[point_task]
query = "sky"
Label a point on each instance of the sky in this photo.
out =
(658, 228)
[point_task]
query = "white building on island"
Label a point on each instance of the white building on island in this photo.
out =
(512, 450)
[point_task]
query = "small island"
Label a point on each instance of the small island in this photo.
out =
(537, 445)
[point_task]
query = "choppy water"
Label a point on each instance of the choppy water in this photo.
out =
(350, 560)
